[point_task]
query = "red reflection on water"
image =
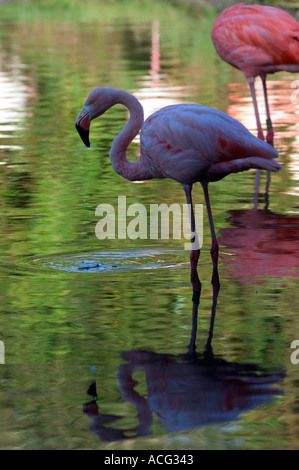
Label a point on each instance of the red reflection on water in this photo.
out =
(262, 243)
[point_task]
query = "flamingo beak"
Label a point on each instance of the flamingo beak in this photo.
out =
(82, 126)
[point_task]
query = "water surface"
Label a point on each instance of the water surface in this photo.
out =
(96, 331)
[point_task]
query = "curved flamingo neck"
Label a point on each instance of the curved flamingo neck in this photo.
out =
(132, 171)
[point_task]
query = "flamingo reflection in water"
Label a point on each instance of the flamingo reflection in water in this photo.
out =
(185, 391)
(261, 242)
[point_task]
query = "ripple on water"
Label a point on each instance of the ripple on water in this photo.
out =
(111, 261)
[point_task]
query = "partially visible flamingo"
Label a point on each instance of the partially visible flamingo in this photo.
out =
(258, 40)
(185, 142)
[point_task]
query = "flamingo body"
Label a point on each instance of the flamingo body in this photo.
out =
(190, 143)
(257, 39)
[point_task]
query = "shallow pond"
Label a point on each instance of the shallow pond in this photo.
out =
(96, 332)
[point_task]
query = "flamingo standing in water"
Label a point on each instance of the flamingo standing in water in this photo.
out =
(185, 142)
(258, 40)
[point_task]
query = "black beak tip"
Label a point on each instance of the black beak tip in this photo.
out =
(83, 134)
(86, 141)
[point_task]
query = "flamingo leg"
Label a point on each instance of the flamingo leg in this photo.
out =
(216, 288)
(214, 247)
(194, 254)
(270, 135)
(260, 135)
(270, 132)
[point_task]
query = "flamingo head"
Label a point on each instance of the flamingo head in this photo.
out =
(98, 101)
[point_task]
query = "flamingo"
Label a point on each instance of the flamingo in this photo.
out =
(258, 40)
(185, 142)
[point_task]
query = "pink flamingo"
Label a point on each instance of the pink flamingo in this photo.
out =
(184, 142)
(258, 40)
